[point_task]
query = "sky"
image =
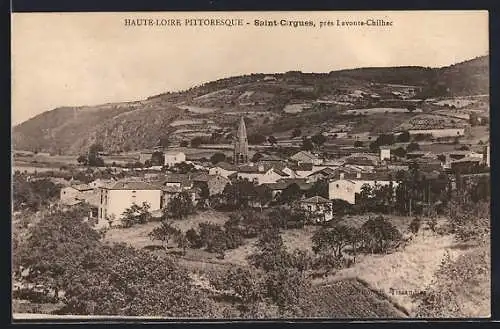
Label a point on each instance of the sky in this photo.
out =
(77, 59)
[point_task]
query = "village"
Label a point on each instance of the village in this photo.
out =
(258, 196)
(343, 177)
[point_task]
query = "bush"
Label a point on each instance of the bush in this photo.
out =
(415, 225)
(380, 235)
(193, 238)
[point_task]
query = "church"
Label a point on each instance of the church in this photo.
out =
(241, 144)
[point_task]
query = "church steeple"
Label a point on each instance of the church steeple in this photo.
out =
(241, 144)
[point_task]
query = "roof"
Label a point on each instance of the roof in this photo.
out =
(316, 199)
(175, 178)
(360, 159)
(271, 157)
(463, 152)
(82, 187)
(280, 172)
(206, 177)
(131, 185)
(467, 159)
(257, 168)
(280, 185)
(173, 152)
(304, 155)
(324, 171)
(225, 166)
(302, 167)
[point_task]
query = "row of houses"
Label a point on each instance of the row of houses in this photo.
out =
(345, 176)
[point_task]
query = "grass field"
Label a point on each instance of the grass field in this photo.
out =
(404, 272)
(137, 236)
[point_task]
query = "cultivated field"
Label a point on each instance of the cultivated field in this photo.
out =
(405, 272)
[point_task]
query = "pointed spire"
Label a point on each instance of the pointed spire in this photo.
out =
(242, 129)
(241, 144)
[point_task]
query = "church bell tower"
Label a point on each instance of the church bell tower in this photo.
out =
(241, 144)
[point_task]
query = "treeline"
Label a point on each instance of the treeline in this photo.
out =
(32, 194)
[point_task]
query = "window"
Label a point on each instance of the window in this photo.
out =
(337, 185)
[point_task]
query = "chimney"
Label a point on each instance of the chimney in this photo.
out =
(341, 175)
(358, 175)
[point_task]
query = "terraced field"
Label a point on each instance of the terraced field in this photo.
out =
(351, 299)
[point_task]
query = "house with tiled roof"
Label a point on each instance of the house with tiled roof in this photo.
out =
(317, 208)
(260, 173)
(74, 194)
(466, 165)
(349, 189)
(214, 184)
(223, 168)
(115, 198)
(324, 173)
(306, 157)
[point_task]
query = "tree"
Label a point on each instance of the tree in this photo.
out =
(413, 147)
(34, 194)
(54, 246)
(399, 152)
(296, 133)
(217, 157)
(193, 238)
(411, 108)
(442, 158)
(119, 280)
(164, 233)
(164, 141)
(286, 287)
(136, 214)
(239, 194)
(246, 284)
(331, 240)
(183, 168)
(271, 254)
(320, 187)
(380, 234)
(318, 140)
(213, 237)
(404, 137)
(256, 157)
(92, 159)
(385, 139)
(307, 144)
(184, 144)
(358, 144)
(415, 225)
(180, 206)
(157, 158)
(256, 139)
(291, 193)
(82, 159)
(196, 142)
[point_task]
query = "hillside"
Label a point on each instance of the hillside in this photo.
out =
(272, 103)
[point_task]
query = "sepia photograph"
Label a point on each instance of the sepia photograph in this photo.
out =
(251, 165)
